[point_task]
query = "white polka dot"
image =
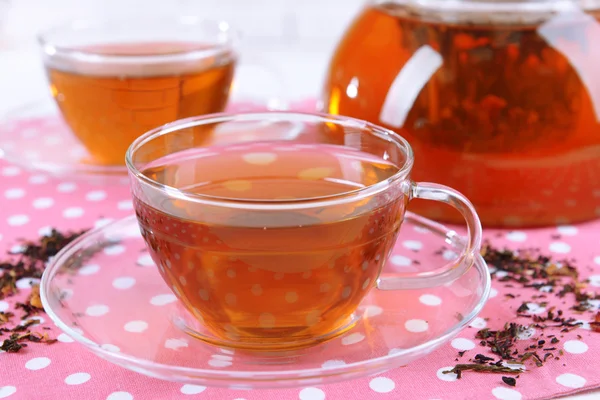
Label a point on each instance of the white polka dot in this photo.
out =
(17, 220)
(37, 363)
(373, 311)
(6, 391)
(97, 310)
(66, 293)
(594, 280)
(325, 287)
(366, 283)
(15, 193)
(124, 282)
(125, 205)
(78, 331)
(3, 306)
(18, 249)
(430, 300)
(583, 324)
(114, 250)
(291, 297)
(395, 351)
(559, 247)
(333, 364)
(416, 325)
(26, 283)
(120, 396)
(163, 299)
(567, 230)
(96, 195)
(478, 323)
(526, 334)
(175, 344)
(311, 393)
(463, 344)
(400, 261)
(516, 236)
(446, 377)
(111, 347)
(449, 255)
(266, 320)
(230, 299)
(353, 338)
(238, 185)
(412, 244)
(89, 269)
(216, 363)
(316, 173)
(66, 187)
(504, 393)
(493, 292)
(256, 290)
(42, 203)
(260, 158)
(136, 326)
(145, 261)
(192, 389)
(64, 338)
(421, 230)
(204, 295)
(382, 385)
(346, 292)
(575, 347)
(37, 179)
(77, 379)
(102, 222)
(597, 260)
(73, 212)
(11, 171)
(571, 381)
(593, 304)
(534, 308)
(45, 231)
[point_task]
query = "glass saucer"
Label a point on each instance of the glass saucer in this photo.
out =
(104, 291)
(35, 137)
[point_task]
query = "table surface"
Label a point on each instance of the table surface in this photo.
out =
(23, 81)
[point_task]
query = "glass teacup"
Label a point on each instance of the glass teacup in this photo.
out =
(117, 78)
(271, 228)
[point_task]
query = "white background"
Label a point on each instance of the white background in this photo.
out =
(294, 37)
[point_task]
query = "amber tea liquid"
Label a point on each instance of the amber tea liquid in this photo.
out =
(510, 117)
(110, 103)
(274, 277)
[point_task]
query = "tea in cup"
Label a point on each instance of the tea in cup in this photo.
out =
(114, 80)
(271, 240)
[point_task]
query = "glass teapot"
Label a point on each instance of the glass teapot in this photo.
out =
(500, 99)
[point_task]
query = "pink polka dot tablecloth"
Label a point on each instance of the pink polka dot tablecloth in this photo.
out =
(33, 203)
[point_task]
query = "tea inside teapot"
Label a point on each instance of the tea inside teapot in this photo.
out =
(499, 99)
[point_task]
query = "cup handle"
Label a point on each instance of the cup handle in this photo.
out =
(255, 74)
(470, 248)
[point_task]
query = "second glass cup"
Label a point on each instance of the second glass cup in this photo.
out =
(271, 228)
(115, 79)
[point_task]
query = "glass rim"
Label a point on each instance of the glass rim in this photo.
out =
(283, 204)
(51, 47)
